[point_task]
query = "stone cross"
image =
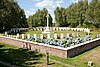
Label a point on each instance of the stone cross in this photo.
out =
(47, 20)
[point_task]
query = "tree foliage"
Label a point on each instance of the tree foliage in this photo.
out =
(39, 19)
(81, 14)
(11, 15)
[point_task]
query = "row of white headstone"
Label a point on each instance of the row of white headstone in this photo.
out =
(62, 28)
(15, 30)
(55, 36)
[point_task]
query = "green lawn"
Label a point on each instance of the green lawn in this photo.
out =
(82, 60)
(26, 58)
(22, 57)
(19, 56)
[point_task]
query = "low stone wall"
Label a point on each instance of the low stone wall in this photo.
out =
(53, 50)
(80, 48)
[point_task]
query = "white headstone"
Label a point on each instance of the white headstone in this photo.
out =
(5, 33)
(62, 36)
(22, 36)
(90, 63)
(77, 29)
(28, 36)
(53, 28)
(14, 31)
(74, 29)
(50, 28)
(41, 36)
(55, 36)
(67, 34)
(8, 35)
(19, 30)
(57, 29)
(17, 35)
(33, 28)
(35, 36)
(73, 35)
(38, 29)
(41, 29)
(77, 35)
(88, 31)
(84, 30)
(48, 36)
(99, 35)
(60, 29)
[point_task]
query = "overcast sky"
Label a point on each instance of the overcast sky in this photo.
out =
(31, 6)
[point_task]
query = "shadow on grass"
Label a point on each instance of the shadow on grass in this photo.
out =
(51, 63)
(1, 46)
(20, 57)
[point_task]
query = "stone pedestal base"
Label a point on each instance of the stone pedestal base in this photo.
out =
(47, 30)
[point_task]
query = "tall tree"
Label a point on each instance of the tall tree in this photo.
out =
(11, 15)
(80, 14)
(39, 18)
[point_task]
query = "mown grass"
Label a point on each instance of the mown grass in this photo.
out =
(19, 56)
(82, 60)
(23, 57)
(26, 58)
